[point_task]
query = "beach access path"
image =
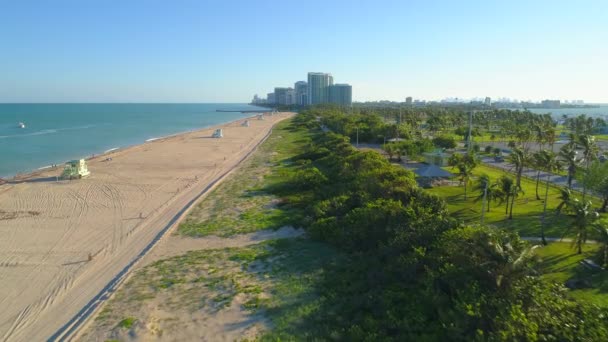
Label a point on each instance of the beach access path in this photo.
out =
(63, 242)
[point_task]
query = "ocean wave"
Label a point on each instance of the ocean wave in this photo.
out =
(46, 131)
(42, 132)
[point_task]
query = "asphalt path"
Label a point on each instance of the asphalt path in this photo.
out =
(558, 180)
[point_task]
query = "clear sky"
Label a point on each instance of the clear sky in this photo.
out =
(226, 51)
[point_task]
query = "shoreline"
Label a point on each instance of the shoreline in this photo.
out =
(26, 175)
(73, 327)
(66, 241)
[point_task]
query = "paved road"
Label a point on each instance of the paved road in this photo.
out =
(602, 144)
(558, 180)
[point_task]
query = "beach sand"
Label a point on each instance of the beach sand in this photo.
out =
(62, 242)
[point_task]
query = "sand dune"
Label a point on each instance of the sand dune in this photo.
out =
(49, 229)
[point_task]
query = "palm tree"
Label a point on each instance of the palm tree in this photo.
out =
(590, 149)
(486, 189)
(551, 164)
(519, 158)
(507, 191)
(465, 172)
(583, 218)
(507, 259)
(465, 165)
(569, 156)
(539, 162)
(565, 198)
(516, 191)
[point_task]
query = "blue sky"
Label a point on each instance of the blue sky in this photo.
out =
(225, 51)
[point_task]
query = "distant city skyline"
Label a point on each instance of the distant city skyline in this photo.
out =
(191, 51)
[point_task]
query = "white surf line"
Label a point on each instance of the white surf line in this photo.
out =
(69, 330)
(111, 150)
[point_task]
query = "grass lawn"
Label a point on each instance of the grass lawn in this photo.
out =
(601, 137)
(527, 211)
(559, 263)
(239, 205)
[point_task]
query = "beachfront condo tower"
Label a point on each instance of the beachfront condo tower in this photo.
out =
(341, 94)
(284, 96)
(301, 89)
(318, 87)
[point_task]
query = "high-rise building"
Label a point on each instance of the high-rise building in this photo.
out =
(408, 100)
(488, 101)
(284, 96)
(280, 95)
(290, 97)
(318, 87)
(257, 100)
(341, 94)
(270, 98)
(301, 90)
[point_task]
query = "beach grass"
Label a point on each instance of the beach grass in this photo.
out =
(240, 204)
(278, 278)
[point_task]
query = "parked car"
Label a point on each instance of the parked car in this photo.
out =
(499, 159)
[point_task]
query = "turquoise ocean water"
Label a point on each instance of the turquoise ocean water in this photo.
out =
(55, 133)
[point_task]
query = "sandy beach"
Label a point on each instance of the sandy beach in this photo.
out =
(62, 242)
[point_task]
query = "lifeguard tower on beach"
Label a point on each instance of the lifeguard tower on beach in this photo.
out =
(261, 117)
(245, 123)
(218, 133)
(75, 169)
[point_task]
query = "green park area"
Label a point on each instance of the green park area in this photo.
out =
(559, 261)
(381, 258)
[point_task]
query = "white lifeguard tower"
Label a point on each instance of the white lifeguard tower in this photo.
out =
(245, 123)
(75, 169)
(261, 117)
(218, 133)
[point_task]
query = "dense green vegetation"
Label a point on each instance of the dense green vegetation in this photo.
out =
(415, 273)
(386, 260)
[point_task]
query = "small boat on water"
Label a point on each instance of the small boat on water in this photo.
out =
(21, 125)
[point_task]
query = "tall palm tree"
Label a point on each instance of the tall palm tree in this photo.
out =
(569, 156)
(551, 164)
(583, 218)
(519, 158)
(507, 192)
(590, 149)
(465, 172)
(487, 189)
(565, 198)
(539, 161)
(465, 165)
(506, 259)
